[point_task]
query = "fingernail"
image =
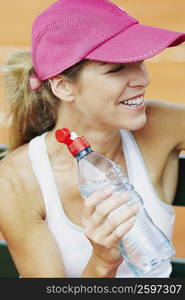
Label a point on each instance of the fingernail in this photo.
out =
(121, 197)
(108, 190)
(132, 220)
(135, 207)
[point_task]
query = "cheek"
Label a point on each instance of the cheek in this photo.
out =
(105, 91)
(96, 92)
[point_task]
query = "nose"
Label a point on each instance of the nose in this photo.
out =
(139, 76)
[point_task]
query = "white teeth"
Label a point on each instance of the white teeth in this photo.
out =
(136, 101)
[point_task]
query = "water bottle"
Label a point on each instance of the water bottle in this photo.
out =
(144, 246)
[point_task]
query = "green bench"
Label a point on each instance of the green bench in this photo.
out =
(178, 264)
(8, 269)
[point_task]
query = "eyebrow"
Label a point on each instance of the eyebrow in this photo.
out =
(108, 63)
(102, 63)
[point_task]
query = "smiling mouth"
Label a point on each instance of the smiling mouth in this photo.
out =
(133, 102)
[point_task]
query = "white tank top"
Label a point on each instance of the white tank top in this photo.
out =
(74, 246)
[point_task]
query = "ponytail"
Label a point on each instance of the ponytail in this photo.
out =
(31, 112)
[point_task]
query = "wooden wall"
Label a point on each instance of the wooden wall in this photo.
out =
(167, 70)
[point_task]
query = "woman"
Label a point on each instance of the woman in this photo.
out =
(88, 75)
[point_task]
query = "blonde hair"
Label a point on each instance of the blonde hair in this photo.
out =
(32, 112)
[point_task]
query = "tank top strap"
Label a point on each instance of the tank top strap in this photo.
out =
(161, 213)
(42, 170)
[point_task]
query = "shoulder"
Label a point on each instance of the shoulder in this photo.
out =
(13, 165)
(19, 193)
(165, 123)
(15, 169)
(158, 108)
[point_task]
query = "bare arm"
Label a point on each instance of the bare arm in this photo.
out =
(168, 121)
(30, 242)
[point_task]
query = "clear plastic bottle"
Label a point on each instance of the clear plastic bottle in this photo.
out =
(144, 246)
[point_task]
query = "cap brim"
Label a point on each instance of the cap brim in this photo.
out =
(136, 43)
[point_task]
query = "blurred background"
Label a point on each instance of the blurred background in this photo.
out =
(167, 70)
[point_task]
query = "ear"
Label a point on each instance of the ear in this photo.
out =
(62, 88)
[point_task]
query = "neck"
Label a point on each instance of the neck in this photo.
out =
(106, 142)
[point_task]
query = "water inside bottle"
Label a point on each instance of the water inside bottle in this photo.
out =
(140, 255)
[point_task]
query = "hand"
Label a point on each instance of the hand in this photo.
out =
(103, 228)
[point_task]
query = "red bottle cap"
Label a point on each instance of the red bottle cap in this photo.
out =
(75, 146)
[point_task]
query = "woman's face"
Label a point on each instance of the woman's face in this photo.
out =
(102, 90)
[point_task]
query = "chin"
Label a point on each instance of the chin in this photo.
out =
(137, 124)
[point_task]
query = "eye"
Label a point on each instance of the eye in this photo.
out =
(118, 69)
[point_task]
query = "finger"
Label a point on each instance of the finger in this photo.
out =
(114, 219)
(95, 198)
(111, 222)
(119, 232)
(104, 208)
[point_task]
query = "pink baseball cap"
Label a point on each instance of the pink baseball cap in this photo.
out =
(71, 30)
